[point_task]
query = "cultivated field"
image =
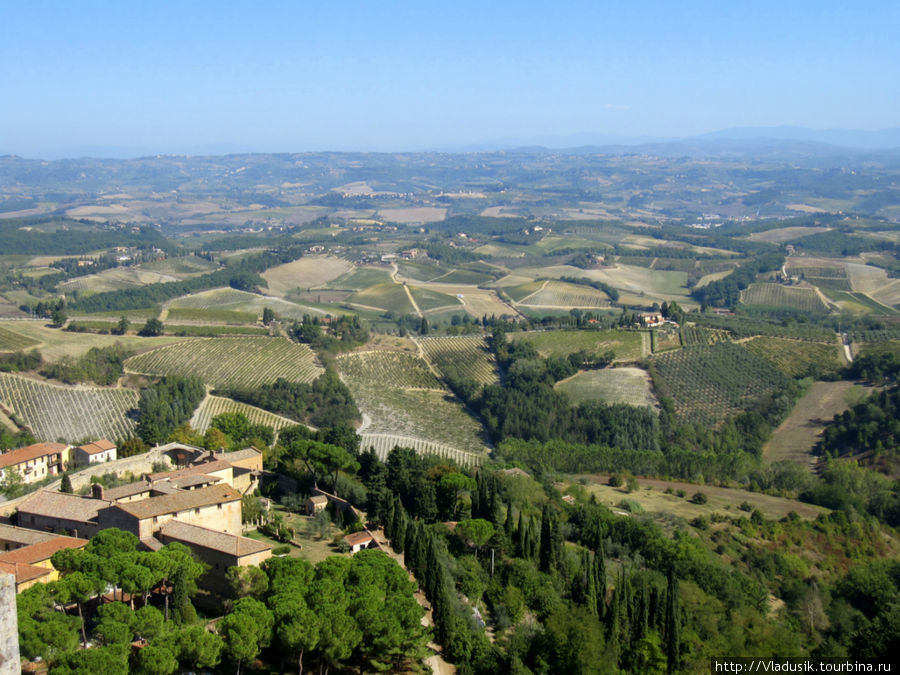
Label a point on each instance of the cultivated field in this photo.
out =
(115, 279)
(229, 299)
(231, 362)
(630, 386)
(698, 335)
(398, 395)
(307, 272)
(57, 412)
(777, 295)
(389, 297)
(384, 443)
(794, 439)
(561, 294)
(424, 214)
(721, 500)
(711, 383)
(211, 315)
(797, 358)
(428, 299)
(361, 278)
(54, 343)
(182, 268)
(13, 342)
(783, 234)
(638, 285)
(476, 301)
(216, 405)
(465, 356)
(625, 344)
(217, 298)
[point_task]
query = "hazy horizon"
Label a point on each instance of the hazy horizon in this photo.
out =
(168, 78)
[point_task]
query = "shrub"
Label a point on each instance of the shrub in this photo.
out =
(284, 549)
(699, 498)
(746, 506)
(681, 493)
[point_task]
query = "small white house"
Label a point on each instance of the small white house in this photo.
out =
(96, 452)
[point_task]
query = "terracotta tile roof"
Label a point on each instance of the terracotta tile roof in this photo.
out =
(206, 467)
(22, 535)
(180, 501)
(36, 553)
(127, 490)
(97, 447)
(211, 539)
(24, 572)
(198, 479)
(238, 455)
(358, 538)
(61, 505)
(30, 452)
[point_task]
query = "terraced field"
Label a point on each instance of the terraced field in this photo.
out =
(630, 386)
(231, 362)
(561, 294)
(57, 412)
(12, 342)
(777, 295)
(399, 396)
(711, 383)
(466, 356)
(216, 405)
(625, 344)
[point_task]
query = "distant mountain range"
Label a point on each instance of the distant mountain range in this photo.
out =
(771, 142)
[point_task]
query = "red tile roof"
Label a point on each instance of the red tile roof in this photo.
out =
(43, 551)
(24, 572)
(30, 452)
(212, 539)
(97, 447)
(180, 501)
(358, 538)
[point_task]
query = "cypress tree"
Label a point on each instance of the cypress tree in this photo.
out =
(672, 635)
(600, 575)
(401, 524)
(508, 524)
(66, 484)
(545, 562)
(409, 544)
(521, 551)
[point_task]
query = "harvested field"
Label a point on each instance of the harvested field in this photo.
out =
(361, 278)
(630, 386)
(389, 297)
(794, 439)
(476, 301)
(784, 234)
(424, 214)
(428, 299)
(182, 268)
(231, 362)
(114, 279)
(57, 412)
(307, 272)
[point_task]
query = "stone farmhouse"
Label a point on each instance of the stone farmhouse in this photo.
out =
(198, 505)
(92, 453)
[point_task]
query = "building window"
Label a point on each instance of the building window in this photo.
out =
(220, 507)
(197, 510)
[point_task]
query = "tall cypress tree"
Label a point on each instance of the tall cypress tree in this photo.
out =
(545, 562)
(672, 635)
(521, 551)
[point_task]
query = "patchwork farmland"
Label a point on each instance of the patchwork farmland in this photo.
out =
(778, 295)
(464, 356)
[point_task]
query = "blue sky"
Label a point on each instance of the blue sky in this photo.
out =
(137, 77)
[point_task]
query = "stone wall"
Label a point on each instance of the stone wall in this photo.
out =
(10, 663)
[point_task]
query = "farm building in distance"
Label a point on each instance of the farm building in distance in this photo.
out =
(92, 453)
(652, 319)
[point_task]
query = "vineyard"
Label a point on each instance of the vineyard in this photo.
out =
(561, 294)
(797, 359)
(382, 444)
(466, 356)
(219, 315)
(711, 383)
(610, 385)
(777, 295)
(231, 300)
(231, 362)
(217, 298)
(399, 395)
(395, 369)
(743, 327)
(13, 342)
(216, 405)
(664, 340)
(625, 344)
(698, 335)
(71, 413)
